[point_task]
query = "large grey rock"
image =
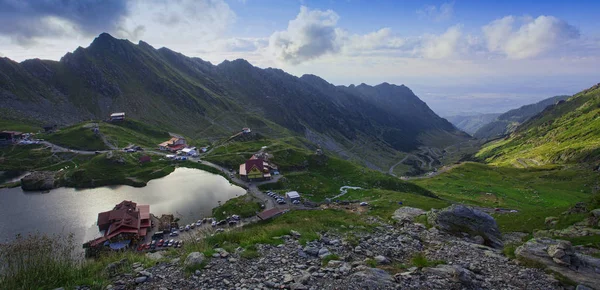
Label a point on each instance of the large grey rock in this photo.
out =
(311, 250)
(371, 278)
(595, 212)
(453, 272)
(561, 257)
(324, 252)
(407, 213)
(463, 219)
(155, 256)
(381, 260)
(194, 259)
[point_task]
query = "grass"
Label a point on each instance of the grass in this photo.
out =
(323, 176)
(566, 133)
(79, 137)
(331, 257)
(308, 223)
(244, 206)
(419, 260)
(383, 203)
(535, 192)
(25, 126)
(122, 134)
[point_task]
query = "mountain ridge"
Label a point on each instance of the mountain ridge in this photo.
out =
(187, 94)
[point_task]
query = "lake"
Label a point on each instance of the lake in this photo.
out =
(189, 194)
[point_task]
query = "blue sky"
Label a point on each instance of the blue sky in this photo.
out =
(458, 56)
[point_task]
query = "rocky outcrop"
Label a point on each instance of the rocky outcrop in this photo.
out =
(40, 180)
(561, 257)
(406, 213)
(462, 219)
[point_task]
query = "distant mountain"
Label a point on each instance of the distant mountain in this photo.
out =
(472, 123)
(567, 132)
(188, 95)
(509, 121)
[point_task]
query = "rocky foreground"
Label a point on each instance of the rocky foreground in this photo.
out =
(381, 259)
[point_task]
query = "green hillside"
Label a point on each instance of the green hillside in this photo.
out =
(568, 132)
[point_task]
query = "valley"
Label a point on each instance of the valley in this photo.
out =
(416, 189)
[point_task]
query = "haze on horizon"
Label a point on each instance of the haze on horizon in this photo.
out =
(458, 56)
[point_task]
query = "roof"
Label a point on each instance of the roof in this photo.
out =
(242, 170)
(168, 143)
(144, 211)
(292, 194)
(187, 150)
(258, 163)
(120, 114)
(270, 213)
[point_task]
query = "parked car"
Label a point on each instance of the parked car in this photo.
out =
(221, 222)
(213, 224)
(199, 223)
(174, 234)
(192, 225)
(220, 230)
(235, 217)
(181, 228)
(232, 223)
(140, 247)
(364, 203)
(171, 242)
(187, 228)
(296, 201)
(160, 243)
(180, 244)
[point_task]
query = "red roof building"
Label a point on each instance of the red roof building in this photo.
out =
(255, 169)
(126, 218)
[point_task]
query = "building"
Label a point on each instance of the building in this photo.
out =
(271, 213)
(117, 117)
(256, 169)
(292, 195)
(190, 151)
(10, 137)
(174, 144)
(246, 130)
(126, 221)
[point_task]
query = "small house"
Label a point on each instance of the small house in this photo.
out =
(255, 169)
(190, 151)
(246, 130)
(204, 149)
(114, 117)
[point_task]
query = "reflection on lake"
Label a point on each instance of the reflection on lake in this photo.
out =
(187, 193)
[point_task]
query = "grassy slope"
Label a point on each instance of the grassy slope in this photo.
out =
(566, 133)
(76, 137)
(535, 193)
(22, 126)
(133, 132)
(244, 206)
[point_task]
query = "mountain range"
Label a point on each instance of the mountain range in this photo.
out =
(205, 101)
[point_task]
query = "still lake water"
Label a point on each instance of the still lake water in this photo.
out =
(189, 194)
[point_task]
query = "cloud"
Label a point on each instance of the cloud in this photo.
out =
(532, 38)
(445, 45)
(25, 20)
(443, 13)
(310, 35)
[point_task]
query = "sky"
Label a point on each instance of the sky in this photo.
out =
(458, 56)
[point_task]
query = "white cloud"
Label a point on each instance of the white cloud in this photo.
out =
(445, 45)
(534, 37)
(438, 14)
(310, 35)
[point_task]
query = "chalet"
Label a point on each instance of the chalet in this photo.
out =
(246, 130)
(190, 151)
(292, 195)
(255, 169)
(174, 144)
(114, 117)
(126, 221)
(10, 137)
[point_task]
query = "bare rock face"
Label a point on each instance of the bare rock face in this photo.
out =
(39, 180)
(462, 219)
(560, 256)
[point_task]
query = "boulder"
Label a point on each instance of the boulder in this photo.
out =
(311, 250)
(559, 256)
(595, 213)
(407, 213)
(462, 219)
(194, 259)
(39, 180)
(324, 252)
(371, 278)
(453, 272)
(381, 260)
